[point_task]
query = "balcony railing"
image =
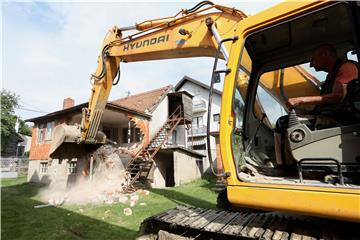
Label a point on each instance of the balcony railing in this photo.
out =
(199, 106)
(201, 130)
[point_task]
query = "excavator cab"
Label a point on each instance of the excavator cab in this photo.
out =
(312, 159)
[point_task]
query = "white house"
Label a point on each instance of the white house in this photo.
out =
(197, 133)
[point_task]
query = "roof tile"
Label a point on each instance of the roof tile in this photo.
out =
(143, 102)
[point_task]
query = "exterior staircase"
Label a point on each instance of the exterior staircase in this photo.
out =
(140, 165)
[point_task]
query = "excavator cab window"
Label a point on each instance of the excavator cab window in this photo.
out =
(238, 107)
(279, 55)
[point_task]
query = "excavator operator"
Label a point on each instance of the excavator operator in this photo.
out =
(331, 106)
(333, 90)
(331, 100)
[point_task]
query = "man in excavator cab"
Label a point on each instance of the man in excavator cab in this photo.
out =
(332, 107)
(332, 98)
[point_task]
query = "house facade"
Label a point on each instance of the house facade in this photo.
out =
(198, 131)
(130, 123)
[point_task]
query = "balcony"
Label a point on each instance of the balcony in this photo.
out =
(197, 131)
(191, 143)
(199, 106)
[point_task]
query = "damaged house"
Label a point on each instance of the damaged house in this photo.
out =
(130, 123)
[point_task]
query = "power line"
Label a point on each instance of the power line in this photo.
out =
(34, 107)
(30, 110)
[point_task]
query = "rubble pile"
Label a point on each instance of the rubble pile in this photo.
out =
(107, 185)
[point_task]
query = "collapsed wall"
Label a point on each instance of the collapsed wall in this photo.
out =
(104, 184)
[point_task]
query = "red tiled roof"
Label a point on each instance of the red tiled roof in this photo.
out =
(143, 102)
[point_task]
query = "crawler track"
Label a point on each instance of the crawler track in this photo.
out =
(196, 223)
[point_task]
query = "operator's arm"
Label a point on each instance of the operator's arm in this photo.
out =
(346, 73)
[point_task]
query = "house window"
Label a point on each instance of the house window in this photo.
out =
(197, 122)
(72, 167)
(200, 147)
(49, 130)
(135, 135)
(41, 133)
(111, 133)
(20, 151)
(172, 139)
(43, 167)
(216, 117)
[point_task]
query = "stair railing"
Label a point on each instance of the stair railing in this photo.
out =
(174, 119)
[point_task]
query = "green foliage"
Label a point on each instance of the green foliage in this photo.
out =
(24, 128)
(9, 101)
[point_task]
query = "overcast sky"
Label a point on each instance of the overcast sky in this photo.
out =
(49, 49)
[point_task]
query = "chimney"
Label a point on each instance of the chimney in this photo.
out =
(68, 103)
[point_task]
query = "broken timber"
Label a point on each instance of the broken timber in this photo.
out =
(197, 223)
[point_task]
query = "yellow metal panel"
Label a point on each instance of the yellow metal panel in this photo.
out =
(279, 13)
(344, 206)
(226, 116)
(167, 43)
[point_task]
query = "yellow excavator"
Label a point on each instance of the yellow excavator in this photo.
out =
(316, 173)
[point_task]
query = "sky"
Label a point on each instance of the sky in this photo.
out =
(49, 50)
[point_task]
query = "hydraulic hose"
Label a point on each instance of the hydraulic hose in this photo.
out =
(103, 70)
(198, 6)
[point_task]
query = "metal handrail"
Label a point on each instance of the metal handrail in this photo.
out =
(313, 160)
(173, 120)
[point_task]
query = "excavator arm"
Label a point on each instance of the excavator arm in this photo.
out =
(195, 32)
(187, 34)
(192, 32)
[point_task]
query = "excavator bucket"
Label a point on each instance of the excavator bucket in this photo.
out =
(66, 139)
(64, 134)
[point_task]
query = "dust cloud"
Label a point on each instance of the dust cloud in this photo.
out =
(106, 186)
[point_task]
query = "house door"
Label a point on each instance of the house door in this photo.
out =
(169, 174)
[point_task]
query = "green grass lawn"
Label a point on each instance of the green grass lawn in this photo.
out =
(19, 220)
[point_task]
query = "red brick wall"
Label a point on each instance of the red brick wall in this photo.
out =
(68, 103)
(143, 125)
(38, 151)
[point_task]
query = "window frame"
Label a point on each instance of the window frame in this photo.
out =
(72, 167)
(44, 167)
(41, 133)
(216, 115)
(196, 119)
(49, 134)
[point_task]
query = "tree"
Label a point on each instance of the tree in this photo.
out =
(10, 101)
(24, 129)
